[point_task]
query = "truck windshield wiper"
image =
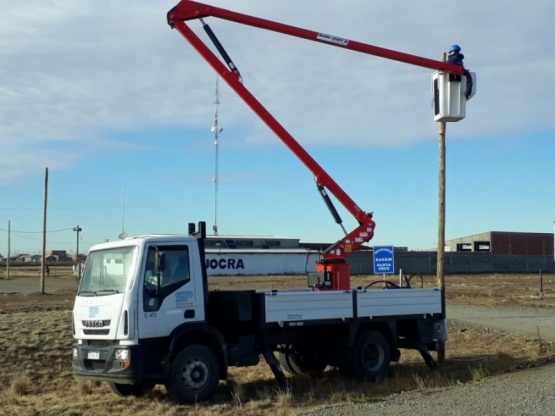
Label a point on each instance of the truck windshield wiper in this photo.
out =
(87, 293)
(104, 292)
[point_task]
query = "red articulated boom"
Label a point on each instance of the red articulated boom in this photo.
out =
(333, 270)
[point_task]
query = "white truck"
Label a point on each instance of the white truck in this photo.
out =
(155, 322)
(143, 313)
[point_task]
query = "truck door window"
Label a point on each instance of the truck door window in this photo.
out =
(175, 274)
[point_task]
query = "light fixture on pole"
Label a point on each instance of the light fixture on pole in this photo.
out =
(77, 262)
(77, 230)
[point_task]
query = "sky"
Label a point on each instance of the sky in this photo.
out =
(119, 108)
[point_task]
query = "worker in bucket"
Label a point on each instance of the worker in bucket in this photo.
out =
(456, 57)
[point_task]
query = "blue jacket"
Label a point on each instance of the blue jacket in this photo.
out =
(456, 59)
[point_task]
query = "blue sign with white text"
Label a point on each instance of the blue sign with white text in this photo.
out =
(383, 260)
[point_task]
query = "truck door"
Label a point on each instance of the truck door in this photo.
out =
(172, 303)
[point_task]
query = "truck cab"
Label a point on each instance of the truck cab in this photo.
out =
(134, 297)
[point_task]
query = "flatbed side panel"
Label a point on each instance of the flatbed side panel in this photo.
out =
(398, 302)
(306, 306)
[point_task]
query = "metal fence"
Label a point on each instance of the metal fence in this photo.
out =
(426, 262)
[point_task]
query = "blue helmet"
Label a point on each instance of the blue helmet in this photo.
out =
(454, 48)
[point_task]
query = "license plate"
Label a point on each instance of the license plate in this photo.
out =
(93, 355)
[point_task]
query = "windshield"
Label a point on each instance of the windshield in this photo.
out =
(106, 271)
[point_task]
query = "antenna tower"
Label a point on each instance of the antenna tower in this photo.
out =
(216, 130)
(123, 234)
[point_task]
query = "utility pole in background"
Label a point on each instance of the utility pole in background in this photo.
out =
(441, 227)
(78, 230)
(43, 259)
(9, 247)
(77, 262)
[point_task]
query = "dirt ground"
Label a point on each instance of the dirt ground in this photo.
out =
(35, 348)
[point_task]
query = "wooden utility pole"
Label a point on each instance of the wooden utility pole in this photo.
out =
(43, 259)
(441, 209)
(9, 249)
(441, 199)
(441, 227)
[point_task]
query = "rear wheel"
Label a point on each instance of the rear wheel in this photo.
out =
(194, 375)
(136, 390)
(370, 356)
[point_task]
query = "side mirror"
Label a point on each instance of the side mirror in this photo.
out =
(160, 263)
(159, 267)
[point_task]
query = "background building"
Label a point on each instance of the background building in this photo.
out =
(500, 242)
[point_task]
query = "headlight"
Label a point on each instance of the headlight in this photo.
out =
(75, 354)
(121, 355)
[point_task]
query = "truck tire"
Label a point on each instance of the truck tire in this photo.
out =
(125, 390)
(369, 357)
(194, 375)
(296, 363)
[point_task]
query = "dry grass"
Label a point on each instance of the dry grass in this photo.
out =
(502, 290)
(35, 361)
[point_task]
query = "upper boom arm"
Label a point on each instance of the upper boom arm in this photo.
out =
(188, 10)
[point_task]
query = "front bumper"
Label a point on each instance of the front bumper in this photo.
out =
(101, 364)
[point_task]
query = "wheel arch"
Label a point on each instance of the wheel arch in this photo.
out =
(201, 334)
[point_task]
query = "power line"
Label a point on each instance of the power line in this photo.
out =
(104, 206)
(37, 232)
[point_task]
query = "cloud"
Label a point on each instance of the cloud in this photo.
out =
(77, 73)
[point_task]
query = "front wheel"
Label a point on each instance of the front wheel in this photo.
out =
(370, 356)
(194, 375)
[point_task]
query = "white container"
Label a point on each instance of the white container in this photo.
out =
(448, 91)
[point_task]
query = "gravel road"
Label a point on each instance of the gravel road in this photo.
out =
(529, 322)
(526, 392)
(26, 285)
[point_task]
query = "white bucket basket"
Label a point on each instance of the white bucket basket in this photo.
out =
(448, 91)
